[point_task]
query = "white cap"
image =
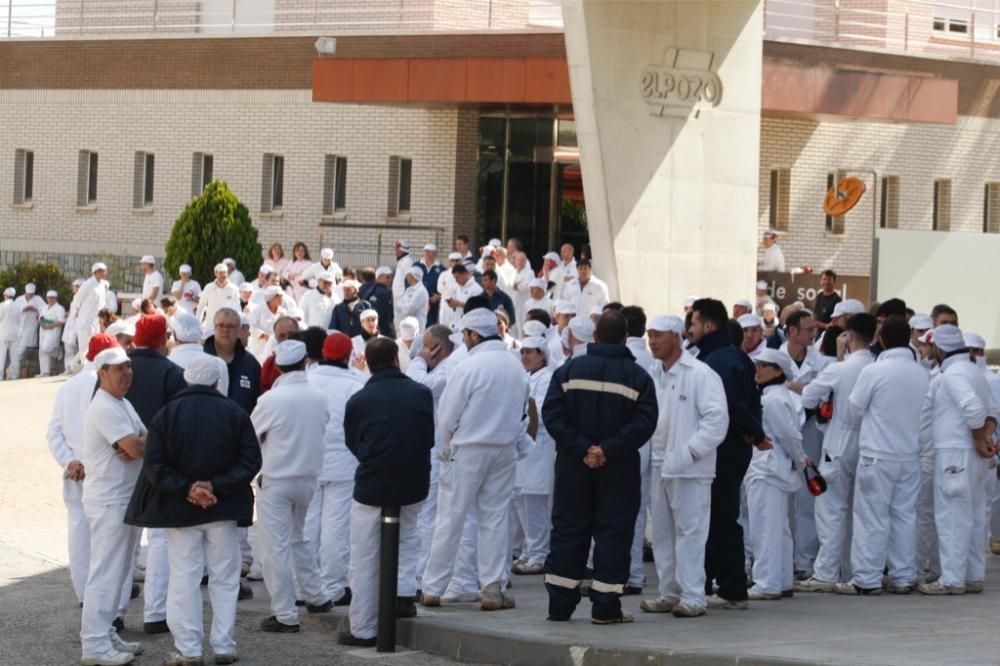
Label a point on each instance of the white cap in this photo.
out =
(689, 301)
(187, 327)
(353, 284)
(851, 306)
(121, 327)
(203, 371)
(416, 272)
(246, 287)
(751, 320)
(920, 322)
(265, 269)
(148, 259)
(430, 247)
(383, 270)
(136, 304)
(184, 268)
(244, 320)
(533, 329)
(973, 341)
(566, 308)
(667, 324)
(289, 352)
(10, 291)
(454, 256)
(744, 303)
(535, 342)
(30, 288)
(773, 307)
(551, 255)
(98, 266)
(221, 268)
(948, 338)
(52, 293)
(495, 242)
(776, 357)
(770, 233)
(408, 328)
(111, 356)
(327, 277)
(582, 329)
(326, 253)
(404, 245)
(229, 260)
(480, 320)
(271, 292)
(370, 313)
(488, 251)
(538, 283)
(762, 285)
(77, 282)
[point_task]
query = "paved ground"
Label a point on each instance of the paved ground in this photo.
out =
(39, 620)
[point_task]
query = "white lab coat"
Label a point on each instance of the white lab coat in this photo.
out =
(592, 295)
(403, 266)
(262, 330)
(536, 471)
(413, 303)
(92, 298)
(153, 280)
(447, 287)
(519, 290)
(187, 294)
(317, 308)
(317, 269)
(49, 339)
(462, 294)
(774, 260)
(545, 303)
(27, 334)
(214, 298)
(290, 421)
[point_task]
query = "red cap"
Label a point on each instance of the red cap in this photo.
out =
(98, 343)
(337, 347)
(150, 331)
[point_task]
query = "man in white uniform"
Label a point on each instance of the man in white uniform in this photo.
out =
(27, 307)
(887, 400)
(152, 284)
(481, 427)
(222, 293)
(68, 333)
(189, 348)
(317, 304)
(186, 290)
(290, 420)
(774, 258)
(262, 320)
(326, 264)
(447, 287)
(692, 423)
(9, 325)
(586, 291)
(235, 276)
(113, 443)
(465, 289)
(753, 335)
(414, 300)
(404, 262)
(51, 320)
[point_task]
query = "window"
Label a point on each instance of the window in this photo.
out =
(142, 180)
(890, 203)
(991, 209)
(951, 25)
(24, 176)
(942, 205)
(201, 172)
(272, 183)
(834, 225)
(86, 179)
(780, 196)
(334, 184)
(400, 174)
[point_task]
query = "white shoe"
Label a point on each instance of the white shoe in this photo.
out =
(524, 568)
(975, 586)
(937, 589)
(757, 595)
(107, 658)
(658, 605)
(814, 585)
(687, 610)
(715, 601)
(467, 598)
(124, 646)
(256, 573)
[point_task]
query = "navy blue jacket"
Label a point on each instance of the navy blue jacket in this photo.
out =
(244, 376)
(349, 323)
(155, 380)
(742, 396)
(501, 300)
(389, 425)
(430, 281)
(602, 398)
(199, 435)
(380, 297)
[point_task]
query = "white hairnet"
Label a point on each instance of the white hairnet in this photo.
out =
(203, 371)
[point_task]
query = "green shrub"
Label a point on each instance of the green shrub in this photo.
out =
(213, 226)
(45, 277)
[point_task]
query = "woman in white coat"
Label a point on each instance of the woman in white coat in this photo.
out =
(51, 320)
(415, 299)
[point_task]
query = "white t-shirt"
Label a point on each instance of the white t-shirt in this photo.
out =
(110, 480)
(152, 281)
(186, 294)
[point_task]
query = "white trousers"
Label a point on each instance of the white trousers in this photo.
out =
(772, 537)
(744, 521)
(83, 335)
(960, 514)
(465, 572)
(69, 353)
(928, 559)
(366, 550)
(833, 519)
(885, 522)
(16, 355)
(681, 510)
(534, 513)
(804, 531)
(112, 544)
(480, 476)
(637, 568)
(154, 589)
(328, 531)
(79, 536)
(246, 553)
(213, 546)
(285, 554)
(425, 526)
(993, 501)
(6, 352)
(45, 362)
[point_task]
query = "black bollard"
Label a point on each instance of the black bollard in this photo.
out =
(387, 580)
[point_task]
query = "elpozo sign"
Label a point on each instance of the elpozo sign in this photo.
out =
(682, 84)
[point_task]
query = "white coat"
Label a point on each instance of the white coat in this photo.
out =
(153, 280)
(9, 321)
(835, 383)
(403, 266)
(782, 421)
(462, 294)
(774, 260)
(27, 332)
(317, 269)
(545, 303)
(447, 287)
(291, 421)
(262, 329)
(962, 403)
(413, 303)
(92, 298)
(536, 470)
(69, 329)
(592, 295)
(317, 308)
(65, 432)
(338, 385)
(214, 298)
(519, 290)
(49, 339)
(187, 294)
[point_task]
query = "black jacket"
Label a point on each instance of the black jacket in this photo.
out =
(155, 380)
(380, 297)
(389, 426)
(742, 396)
(244, 375)
(602, 398)
(200, 435)
(347, 322)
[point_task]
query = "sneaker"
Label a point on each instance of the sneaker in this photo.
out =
(226, 659)
(125, 646)
(273, 626)
(687, 610)
(155, 627)
(255, 573)
(344, 600)
(621, 619)
(107, 658)
(995, 545)
(937, 589)
(324, 607)
(429, 600)
(974, 586)
(527, 569)
(464, 598)
(177, 659)
(244, 570)
(493, 598)
(892, 588)
(405, 607)
(814, 584)
(715, 601)
(658, 605)
(850, 588)
(246, 592)
(757, 595)
(632, 590)
(347, 638)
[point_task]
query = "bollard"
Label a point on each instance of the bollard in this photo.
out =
(387, 580)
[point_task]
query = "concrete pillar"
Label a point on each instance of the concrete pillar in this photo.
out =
(666, 97)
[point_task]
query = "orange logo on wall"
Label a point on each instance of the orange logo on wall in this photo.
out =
(845, 196)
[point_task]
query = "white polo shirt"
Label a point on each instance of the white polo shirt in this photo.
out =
(110, 480)
(152, 281)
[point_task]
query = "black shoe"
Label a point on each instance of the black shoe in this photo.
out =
(136, 591)
(300, 603)
(344, 600)
(324, 607)
(785, 594)
(405, 607)
(204, 580)
(347, 638)
(647, 553)
(246, 592)
(272, 626)
(119, 625)
(155, 627)
(632, 590)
